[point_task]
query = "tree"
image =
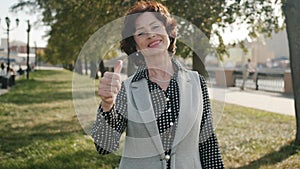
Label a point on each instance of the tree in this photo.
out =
(259, 16)
(73, 21)
(203, 14)
(291, 10)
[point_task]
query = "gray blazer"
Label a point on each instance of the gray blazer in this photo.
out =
(143, 146)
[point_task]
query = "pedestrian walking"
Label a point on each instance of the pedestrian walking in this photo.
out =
(246, 71)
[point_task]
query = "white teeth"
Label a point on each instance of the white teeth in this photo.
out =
(154, 43)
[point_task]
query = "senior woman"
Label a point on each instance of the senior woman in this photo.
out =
(163, 107)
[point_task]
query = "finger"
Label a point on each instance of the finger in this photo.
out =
(113, 87)
(111, 75)
(107, 99)
(104, 93)
(110, 82)
(118, 66)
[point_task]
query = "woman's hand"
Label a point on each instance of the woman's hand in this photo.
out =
(109, 86)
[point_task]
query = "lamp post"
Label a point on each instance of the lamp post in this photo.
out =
(7, 20)
(28, 48)
(36, 56)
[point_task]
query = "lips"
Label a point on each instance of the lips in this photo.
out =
(154, 44)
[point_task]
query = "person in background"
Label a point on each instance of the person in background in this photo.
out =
(20, 71)
(164, 108)
(3, 76)
(246, 71)
(3, 72)
(11, 75)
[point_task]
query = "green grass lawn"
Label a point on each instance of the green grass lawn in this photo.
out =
(40, 129)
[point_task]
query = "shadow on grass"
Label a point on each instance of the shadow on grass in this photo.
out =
(43, 73)
(14, 138)
(76, 160)
(19, 142)
(38, 91)
(274, 157)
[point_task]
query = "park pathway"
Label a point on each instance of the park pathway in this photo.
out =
(268, 101)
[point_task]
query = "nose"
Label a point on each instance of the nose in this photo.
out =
(150, 35)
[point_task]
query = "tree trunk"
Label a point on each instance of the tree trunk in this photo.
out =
(198, 65)
(131, 66)
(291, 9)
(93, 70)
(200, 46)
(85, 65)
(102, 68)
(78, 67)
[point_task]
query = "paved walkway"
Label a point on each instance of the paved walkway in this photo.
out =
(269, 101)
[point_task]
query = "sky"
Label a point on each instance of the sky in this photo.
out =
(37, 30)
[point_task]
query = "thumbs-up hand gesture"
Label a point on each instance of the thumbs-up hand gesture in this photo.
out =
(109, 86)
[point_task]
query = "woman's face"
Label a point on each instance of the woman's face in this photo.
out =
(150, 36)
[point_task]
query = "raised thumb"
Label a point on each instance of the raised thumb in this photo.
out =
(118, 66)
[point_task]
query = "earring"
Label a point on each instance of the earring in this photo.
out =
(137, 53)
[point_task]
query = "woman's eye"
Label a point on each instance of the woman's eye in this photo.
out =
(140, 33)
(155, 27)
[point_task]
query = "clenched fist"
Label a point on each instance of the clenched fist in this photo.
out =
(109, 86)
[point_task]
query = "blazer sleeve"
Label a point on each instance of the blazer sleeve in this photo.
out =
(109, 126)
(209, 151)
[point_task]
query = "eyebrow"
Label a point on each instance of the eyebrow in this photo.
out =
(143, 27)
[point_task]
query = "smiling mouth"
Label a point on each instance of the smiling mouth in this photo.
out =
(154, 44)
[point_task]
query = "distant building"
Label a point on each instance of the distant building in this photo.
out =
(261, 51)
(18, 52)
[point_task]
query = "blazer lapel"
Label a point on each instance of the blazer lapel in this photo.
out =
(142, 101)
(190, 95)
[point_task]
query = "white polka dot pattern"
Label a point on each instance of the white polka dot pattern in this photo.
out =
(109, 125)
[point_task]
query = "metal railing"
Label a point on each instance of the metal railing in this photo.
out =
(266, 79)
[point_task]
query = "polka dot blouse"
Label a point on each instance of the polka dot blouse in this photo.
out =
(109, 126)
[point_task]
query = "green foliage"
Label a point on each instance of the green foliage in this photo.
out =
(261, 17)
(72, 22)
